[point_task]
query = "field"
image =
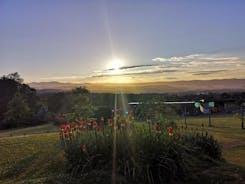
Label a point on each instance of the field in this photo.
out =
(33, 155)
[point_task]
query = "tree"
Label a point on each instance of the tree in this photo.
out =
(18, 111)
(10, 85)
(14, 76)
(59, 102)
(81, 104)
(80, 90)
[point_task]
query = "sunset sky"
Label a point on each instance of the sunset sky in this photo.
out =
(122, 41)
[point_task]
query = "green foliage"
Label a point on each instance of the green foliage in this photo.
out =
(11, 85)
(48, 162)
(103, 111)
(80, 90)
(80, 103)
(205, 144)
(155, 109)
(142, 155)
(18, 111)
(59, 102)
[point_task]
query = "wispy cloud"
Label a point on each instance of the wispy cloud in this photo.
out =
(150, 71)
(190, 67)
(176, 59)
(194, 66)
(207, 72)
(195, 57)
(132, 67)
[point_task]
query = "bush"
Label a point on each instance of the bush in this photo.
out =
(204, 144)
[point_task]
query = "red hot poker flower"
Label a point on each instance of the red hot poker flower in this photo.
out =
(118, 111)
(123, 123)
(63, 127)
(88, 122)
(81, 123)
(95, 124)
(170, 131)
(110, 122)
(84, 148)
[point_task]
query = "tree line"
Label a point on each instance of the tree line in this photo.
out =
(21, 105)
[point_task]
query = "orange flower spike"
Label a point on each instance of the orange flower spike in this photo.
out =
(110, 122)
(170, 131)
(95, 125)
(84, 148)
(123, 123)
(88, 122)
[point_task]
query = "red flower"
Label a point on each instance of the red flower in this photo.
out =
(123, 123)
(95, 124)
(63, 127)
(84, 148)
(73, 126)
(170, 131)
(110, 122)
(131, 115)
(88, 122)
(118, 111)
(81, 124)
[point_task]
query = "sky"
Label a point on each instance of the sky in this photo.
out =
(122, 41)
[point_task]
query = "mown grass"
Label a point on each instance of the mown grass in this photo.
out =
(30, 159)
(227, 130)
(46, 128)
(35, 158)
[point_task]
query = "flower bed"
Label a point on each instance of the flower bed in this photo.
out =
(144, 153)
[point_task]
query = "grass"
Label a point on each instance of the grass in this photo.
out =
(31, 158)
(227, 130)
(32, 155)
(46, 128)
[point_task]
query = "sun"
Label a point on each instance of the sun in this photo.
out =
(115, 64)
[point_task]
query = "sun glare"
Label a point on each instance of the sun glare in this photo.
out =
(115, 64)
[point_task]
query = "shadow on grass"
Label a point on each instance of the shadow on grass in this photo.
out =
(19, 167)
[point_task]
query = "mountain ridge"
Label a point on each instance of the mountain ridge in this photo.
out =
(152, 87)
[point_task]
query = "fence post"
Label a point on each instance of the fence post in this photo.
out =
(185, 117)
(209, 117)
(242, 123)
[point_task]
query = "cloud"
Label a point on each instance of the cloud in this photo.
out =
(177, 67)
(143, 72)
(208, 72)
(190, 67)
(131, 67)
(195, 57)
(174, 59)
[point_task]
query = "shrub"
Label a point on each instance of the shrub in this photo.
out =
(204, 144)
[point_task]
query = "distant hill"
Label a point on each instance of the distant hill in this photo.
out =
(154, 87)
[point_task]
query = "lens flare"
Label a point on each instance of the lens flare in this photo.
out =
(115, 64)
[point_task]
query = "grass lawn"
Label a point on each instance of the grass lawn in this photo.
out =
(32, 158)
(31, 155)
(46, 128)
(227, 130)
